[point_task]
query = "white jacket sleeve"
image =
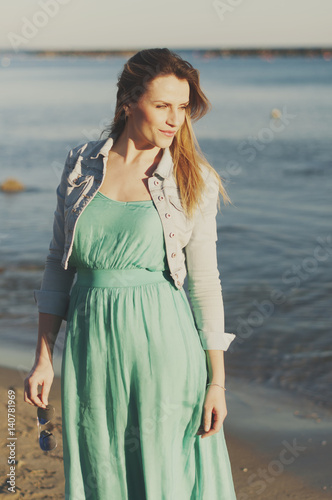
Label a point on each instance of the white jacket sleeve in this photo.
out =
(204, 285)
(53, 295)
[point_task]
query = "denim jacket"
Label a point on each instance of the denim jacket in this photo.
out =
(190, 243)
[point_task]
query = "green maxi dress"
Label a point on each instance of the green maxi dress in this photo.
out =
(133, 372)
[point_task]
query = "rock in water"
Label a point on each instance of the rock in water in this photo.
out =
(12, 185)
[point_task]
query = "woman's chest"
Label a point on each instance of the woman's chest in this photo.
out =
(82, 187)
(127, 181)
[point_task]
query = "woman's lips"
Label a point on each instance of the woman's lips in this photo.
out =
(168, 134)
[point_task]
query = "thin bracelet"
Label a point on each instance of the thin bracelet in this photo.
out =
(218, 386)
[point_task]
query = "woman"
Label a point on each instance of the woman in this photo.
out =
(136, 212)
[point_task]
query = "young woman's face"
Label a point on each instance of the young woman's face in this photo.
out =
(159, 110)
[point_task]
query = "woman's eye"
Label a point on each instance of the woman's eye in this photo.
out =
(164, 106)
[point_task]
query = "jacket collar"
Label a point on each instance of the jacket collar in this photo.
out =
(165, 165)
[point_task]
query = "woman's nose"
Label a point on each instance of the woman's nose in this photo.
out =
(173, 118)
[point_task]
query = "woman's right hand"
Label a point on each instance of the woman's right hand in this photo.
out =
(41, 373)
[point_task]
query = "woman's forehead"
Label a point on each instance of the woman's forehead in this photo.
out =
(168, 88)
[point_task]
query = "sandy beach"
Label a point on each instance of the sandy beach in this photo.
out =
(280, 448)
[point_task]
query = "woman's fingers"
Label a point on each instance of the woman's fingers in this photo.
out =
(207, 419)
(45, 392)
(29, 392)
(32, 392)
(216, 424)
(31, 383)
(214, 413)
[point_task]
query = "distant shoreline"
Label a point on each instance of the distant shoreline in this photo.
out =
(325, 52)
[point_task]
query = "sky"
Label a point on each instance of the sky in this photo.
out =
(136, 24)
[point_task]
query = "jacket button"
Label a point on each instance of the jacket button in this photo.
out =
(171, 235)
(167, 216)
(156, 182)
(176, 275)
(178, 282)
(173, 254)
(160, 198)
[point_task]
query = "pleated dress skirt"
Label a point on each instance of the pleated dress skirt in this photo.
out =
(133, 372)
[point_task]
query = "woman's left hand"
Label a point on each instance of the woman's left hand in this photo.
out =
(214, 411)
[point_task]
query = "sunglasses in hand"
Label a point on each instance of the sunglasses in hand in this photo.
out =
(47, 440)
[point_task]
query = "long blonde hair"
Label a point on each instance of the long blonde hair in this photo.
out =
(186, 153)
